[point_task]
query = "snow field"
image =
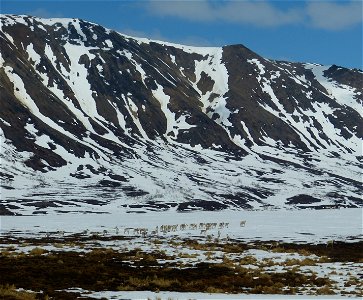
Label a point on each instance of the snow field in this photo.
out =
(306, 226)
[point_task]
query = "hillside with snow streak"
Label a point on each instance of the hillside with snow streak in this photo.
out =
(92, 120)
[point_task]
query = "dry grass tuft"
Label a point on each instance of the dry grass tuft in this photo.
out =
(325, 290)
(10, 292)
(37, 251)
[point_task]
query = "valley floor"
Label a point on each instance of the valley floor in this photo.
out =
(195, 255)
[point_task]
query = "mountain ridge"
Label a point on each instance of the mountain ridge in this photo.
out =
(84, 104)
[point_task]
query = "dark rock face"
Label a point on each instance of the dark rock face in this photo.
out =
(74, 93)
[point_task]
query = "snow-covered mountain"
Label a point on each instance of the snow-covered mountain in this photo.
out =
(95, 121)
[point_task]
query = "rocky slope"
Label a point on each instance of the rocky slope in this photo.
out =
(94, 121)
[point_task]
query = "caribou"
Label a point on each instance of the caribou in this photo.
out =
(242, 223)
(330, 243)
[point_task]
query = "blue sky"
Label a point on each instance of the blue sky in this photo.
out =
(326, 32)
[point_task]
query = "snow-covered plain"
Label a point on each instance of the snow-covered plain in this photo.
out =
(147, 295)
(279, 225)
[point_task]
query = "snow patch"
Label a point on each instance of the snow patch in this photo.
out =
(341, 93)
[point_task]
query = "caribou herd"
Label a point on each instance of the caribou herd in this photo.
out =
(204, 229)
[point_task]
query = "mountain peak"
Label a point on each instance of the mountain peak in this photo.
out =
(210, 127)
